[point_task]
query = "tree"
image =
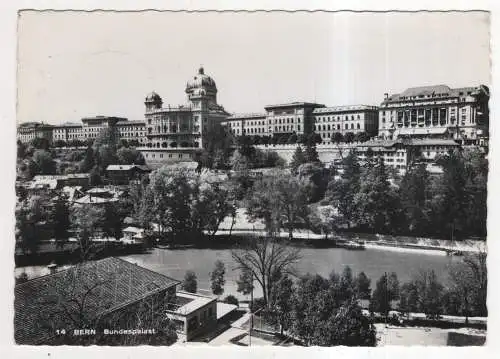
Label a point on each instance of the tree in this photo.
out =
(245, 281)
(297, 159)
(26, 230)
(21, 150)
(88, 161)
(342, 192)
(190, 283)
(453, 198)
(292, 138)
(311, 154)
(386, 290)
(169, 198)
(217, 202)
(346, 284)
(266, 258)
(361, 137)
(40, 143)
(413, 193)
(239, 162)
(217, 278)
(376, 202)
(349, 137)
(362, 284)
(469, 282)
(282, 303)
(112, 221)
(87, 220)
(231, 299)
(337, 137)
(423, 293)
(129, 156)
(95, 176)
(60, 219)
(317, 176)
(44, 162)
(323, 316)
(280, 202)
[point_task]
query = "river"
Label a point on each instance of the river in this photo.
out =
(374, 262)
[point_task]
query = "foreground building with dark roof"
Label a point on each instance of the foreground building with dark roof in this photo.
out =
(107, 302)
(437, 111)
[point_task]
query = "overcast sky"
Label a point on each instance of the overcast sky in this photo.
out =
(73, 65)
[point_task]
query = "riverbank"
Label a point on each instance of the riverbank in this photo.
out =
(242, 226)
(372, 241)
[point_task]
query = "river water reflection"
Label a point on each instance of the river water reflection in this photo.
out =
(374, 262)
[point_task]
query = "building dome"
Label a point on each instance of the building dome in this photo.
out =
(153, 97)
(201, 81)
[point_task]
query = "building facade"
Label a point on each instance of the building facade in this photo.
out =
(131, 131)
(184, 126)
(28, 131)
(304, 118)
(460, 113)
(175, 133)
(344, 119)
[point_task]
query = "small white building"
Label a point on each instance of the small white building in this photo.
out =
(133, 235)
(193, 314)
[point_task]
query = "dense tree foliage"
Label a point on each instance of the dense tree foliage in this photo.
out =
(183, 205)
(297, 159)
(217, 280)
(422, 294)
(386, 291)
(190, 283)
(324, 316)
(281, 202)
(87, 220)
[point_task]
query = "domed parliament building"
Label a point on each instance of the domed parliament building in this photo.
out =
(174, 133)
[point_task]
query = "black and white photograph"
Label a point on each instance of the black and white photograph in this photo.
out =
(251, 178)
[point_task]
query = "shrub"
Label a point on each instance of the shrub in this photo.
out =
(231, 299)
(257, 304)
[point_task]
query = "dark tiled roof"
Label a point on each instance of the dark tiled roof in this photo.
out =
(344, 109)
(434, 91)
(40, 303)
(131, 123)
(243, 116)
(295, 104)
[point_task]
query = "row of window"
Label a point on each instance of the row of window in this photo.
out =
(346, 127)
(338, 118)
(169, 155)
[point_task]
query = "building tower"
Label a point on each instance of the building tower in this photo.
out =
(202, 96)
(153, 102)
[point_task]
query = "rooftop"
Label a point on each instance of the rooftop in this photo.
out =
(436, 91)
(60, 177)
(107, 285)
(423, 131)
(294, 104)
(239, 116)
(130, 123)
(344, 108)
(189, 302)
(127, 167)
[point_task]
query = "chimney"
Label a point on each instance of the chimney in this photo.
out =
(52, 268)
(386, 96)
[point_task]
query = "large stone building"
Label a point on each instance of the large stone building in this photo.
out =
(344, 119)
(28, 131)
(304, 118)
(89, 129)
(174, 133)
(437, 111)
